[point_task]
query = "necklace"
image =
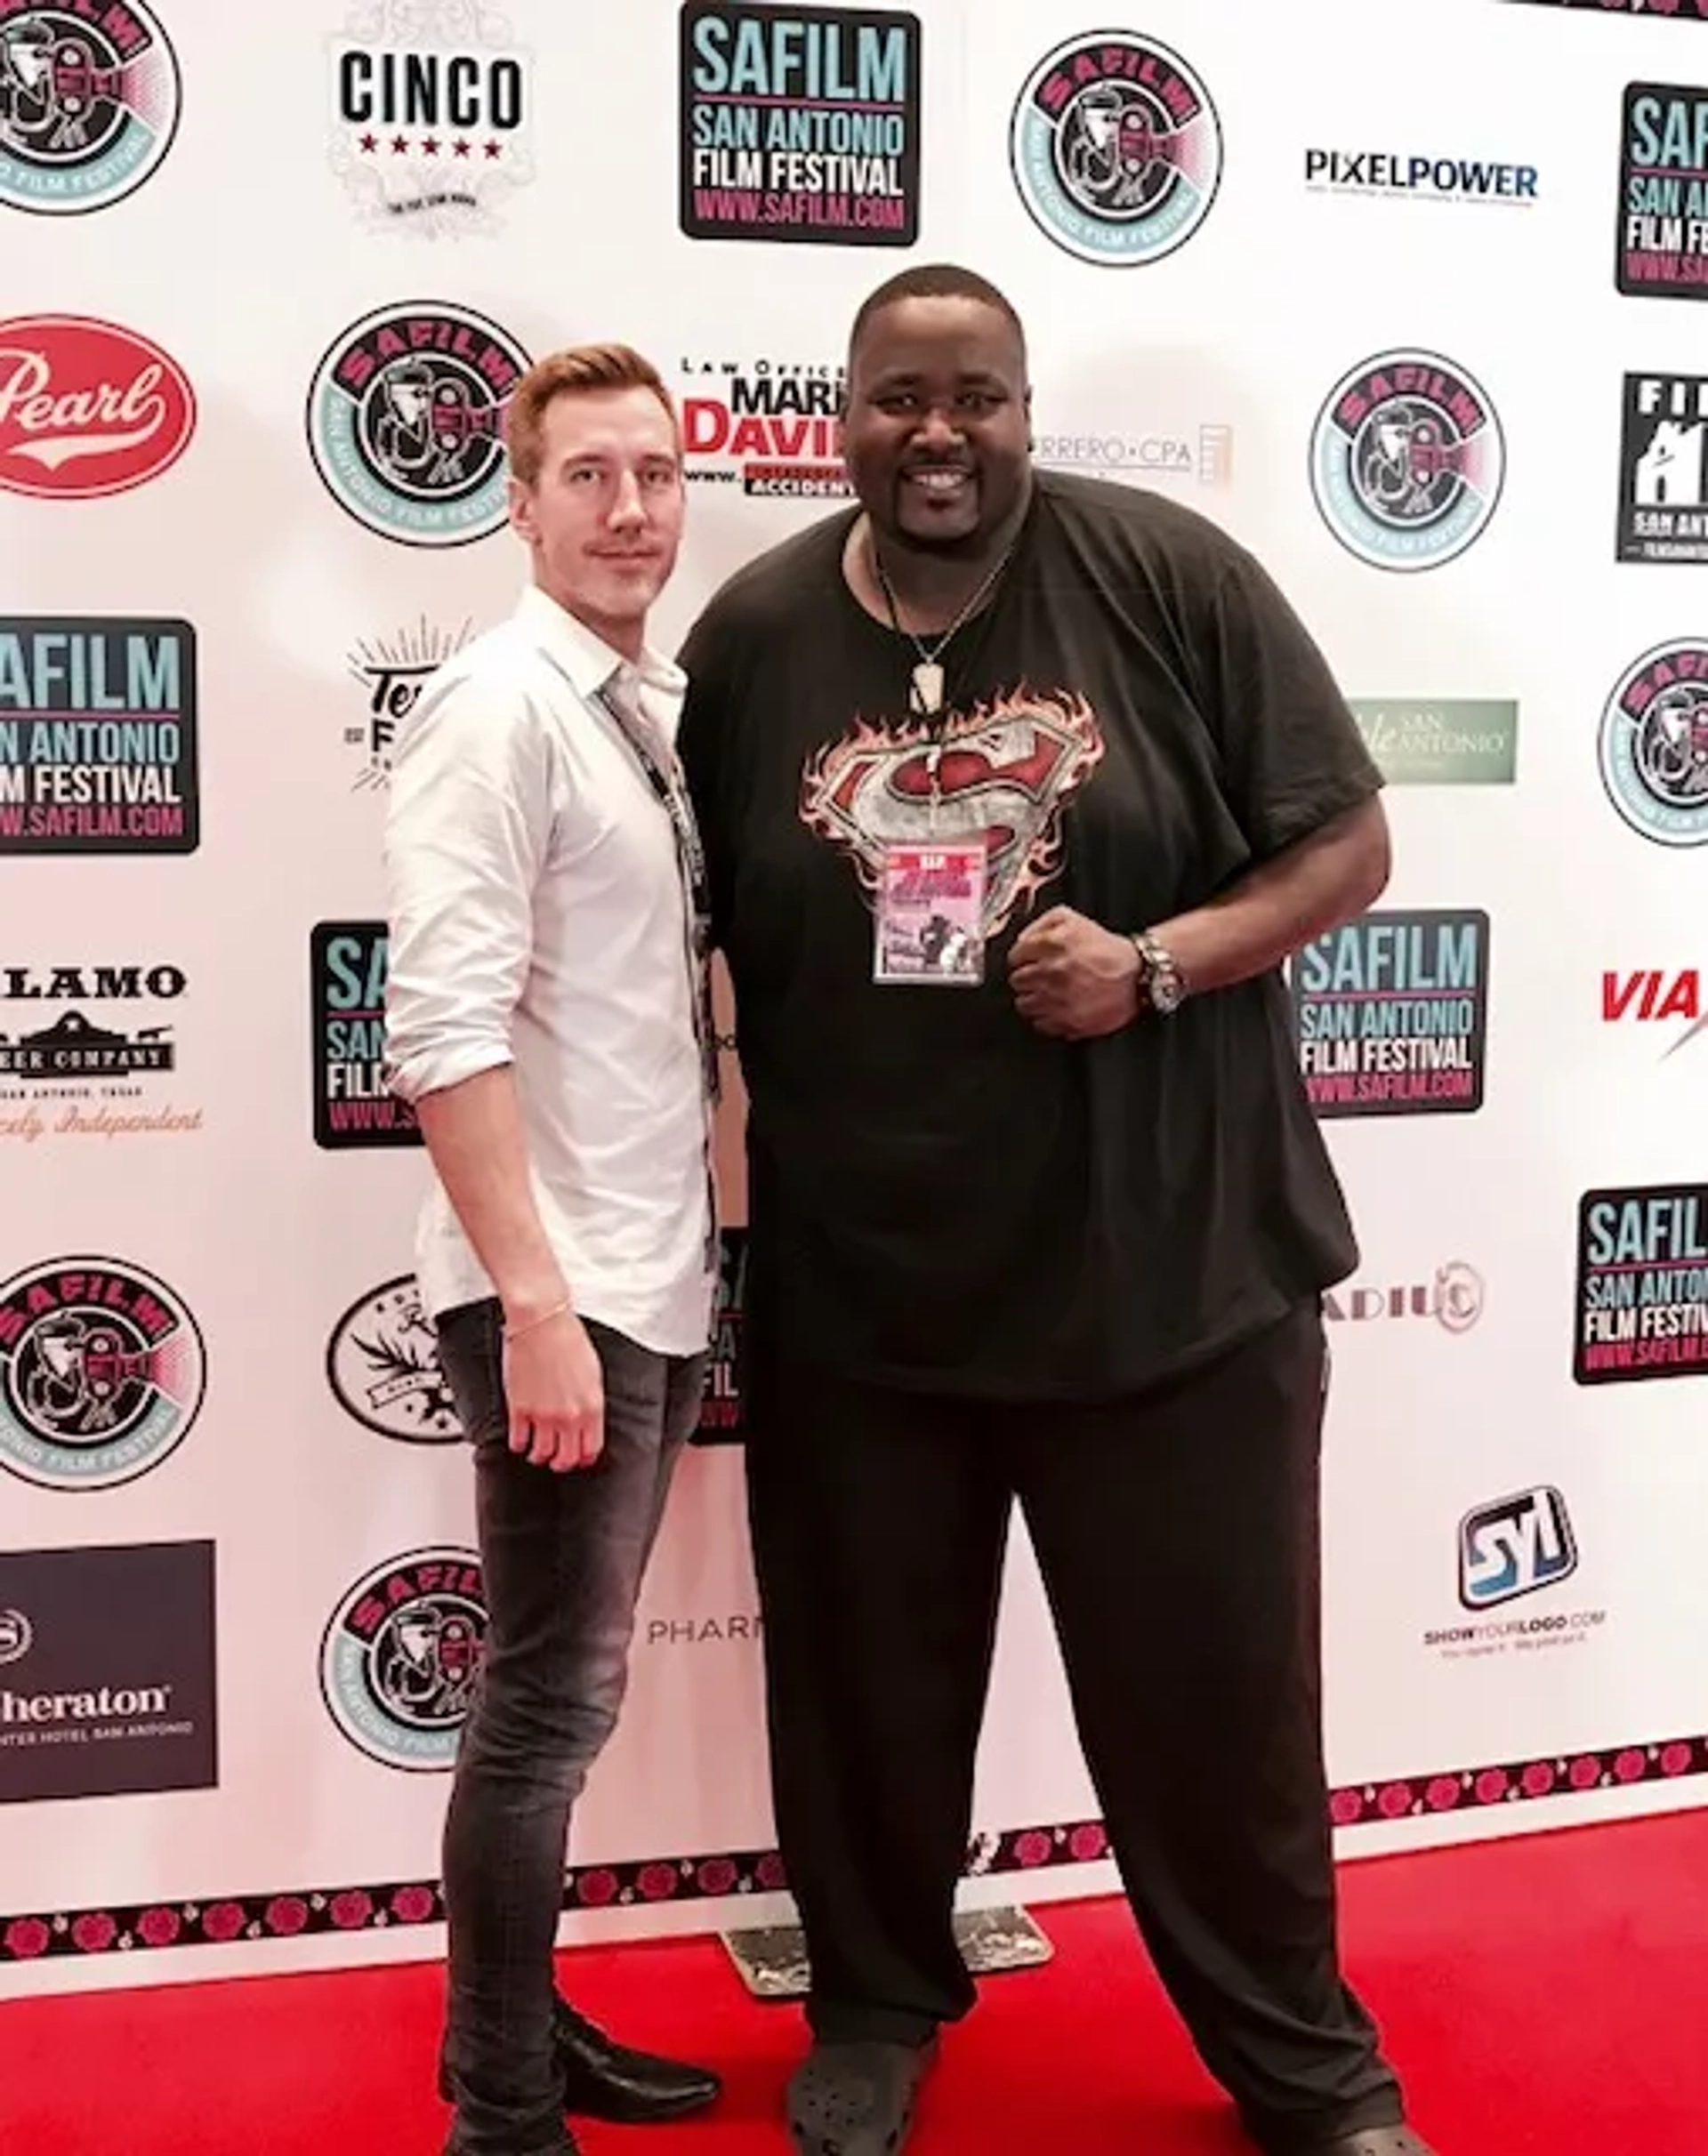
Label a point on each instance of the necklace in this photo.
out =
(926, 693)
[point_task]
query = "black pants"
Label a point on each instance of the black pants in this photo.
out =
(1178, 1539)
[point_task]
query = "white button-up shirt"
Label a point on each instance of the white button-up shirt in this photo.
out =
(539, 919)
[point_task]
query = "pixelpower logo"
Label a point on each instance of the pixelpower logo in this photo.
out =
(399, 1656)
(353, 1105)
(98, 736)
(101, 1373)
(89, 103)
(405, 422)
(1664, 470)
(431, 137)
(384, 1368)
(1420, 178)
(1654, 744)
(1454, 1297)
(1441, 741)
(800, 123)
(1652, 996)
(65, 1073)
(87, 408)
(1510, 1548)
(1662, 244)
(391, 672)
(770, 427)
(1115, 148)
(1406, 461)
(1642, 1284)
(1391, 1015)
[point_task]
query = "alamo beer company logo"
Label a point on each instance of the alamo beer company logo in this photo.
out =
(1662, 249)
(392, 671)
(1664, 468)
(353, 1105)
(1654, 745)
(87, 408)
(1642, 1284)
(382, 1366)
(1115, 148)
(89, 100)
(770, 428)
(800, 123)
(430, 139)
(65, 1073)
(98, 744)
(1391, 1015)
(405, 422)
(101, 1373)
(400, 1654)
(1406, 461)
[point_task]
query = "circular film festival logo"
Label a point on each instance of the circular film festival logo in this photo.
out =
(1407, 460)
(400, 1658)
(1115, 148)
(383, 1365)
(101, 1373)
(405, 422)
(1653, 748)
(89, 101)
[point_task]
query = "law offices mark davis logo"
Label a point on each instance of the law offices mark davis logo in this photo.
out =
(1441, 741)
(87, 408)
(800, 123)
(1653, 746)
(384, 1368)
(1390, 1013)
(771, 427)
(1642, 1283)
(1407, 460)
(1115, 148)
(1660, 247)
(102, 1371)
(399, 1657)
(91, 1051)
(1664, 470)
(110, 1683)
(89, 102)
(353, 1105)
(1381, 173)
(392, 671)
(1509, 1549)
(406, 421)
(99, 747)
(433, 118)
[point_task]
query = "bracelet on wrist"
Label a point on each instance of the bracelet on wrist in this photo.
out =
(533, 1325)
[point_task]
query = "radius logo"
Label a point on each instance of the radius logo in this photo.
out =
(1406, 461)
(1115, 148)
(400, 1654)
(89, 100)
(1654, 744)
(87, 408)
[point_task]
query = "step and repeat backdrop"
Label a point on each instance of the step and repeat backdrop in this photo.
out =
(1422, 325)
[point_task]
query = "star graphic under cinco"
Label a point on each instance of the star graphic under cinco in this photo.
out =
(495, 150)
(370, 143)
(462, 146)
(429, 146)
(399, 145)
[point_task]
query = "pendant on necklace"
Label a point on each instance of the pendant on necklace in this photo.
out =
(927, 688)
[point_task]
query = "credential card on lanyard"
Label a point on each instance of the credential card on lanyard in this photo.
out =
(930, 917)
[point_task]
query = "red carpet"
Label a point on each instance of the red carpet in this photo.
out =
(1544, 1995)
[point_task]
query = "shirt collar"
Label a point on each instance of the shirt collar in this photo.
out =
(587, 659)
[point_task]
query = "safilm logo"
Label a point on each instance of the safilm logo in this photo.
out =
(1654, 744)
(1406, 461)
(768, 426)
(1642, 1284)
(400, 1654)
(1654, 996)
(392, 671)
(1454, 1297)
(89, 101)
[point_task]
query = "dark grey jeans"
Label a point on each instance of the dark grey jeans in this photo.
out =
(563, 1557)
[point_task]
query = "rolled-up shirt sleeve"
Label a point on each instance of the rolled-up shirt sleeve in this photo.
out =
(468, 828)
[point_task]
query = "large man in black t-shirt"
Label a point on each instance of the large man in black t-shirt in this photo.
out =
(1017, 790)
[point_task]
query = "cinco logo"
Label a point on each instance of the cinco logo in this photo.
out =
(87, 408)
(89, 100)
(1406, 461)
(400, 1654)
(1654, 744)
(405, 422)
(101, 1373)
(1115, 148)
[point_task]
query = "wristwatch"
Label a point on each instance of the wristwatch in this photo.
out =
(1161, 983)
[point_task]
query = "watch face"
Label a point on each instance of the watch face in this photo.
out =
(1166, 991)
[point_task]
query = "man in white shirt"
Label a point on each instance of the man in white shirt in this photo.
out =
(547, 1015)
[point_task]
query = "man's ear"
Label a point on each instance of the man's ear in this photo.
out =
(522, 520)
(1031, 438)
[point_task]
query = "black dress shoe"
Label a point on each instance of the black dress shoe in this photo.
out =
(1376, 2141)
(602, 2080)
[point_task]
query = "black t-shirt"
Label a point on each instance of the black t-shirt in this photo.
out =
(940, 1198)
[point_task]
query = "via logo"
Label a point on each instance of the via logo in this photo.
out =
(1515, 1546)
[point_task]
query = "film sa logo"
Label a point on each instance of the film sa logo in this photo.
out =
(89, 103)
(1407, 460)
(400, 1654)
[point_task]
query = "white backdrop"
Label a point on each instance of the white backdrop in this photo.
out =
(245, 244)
